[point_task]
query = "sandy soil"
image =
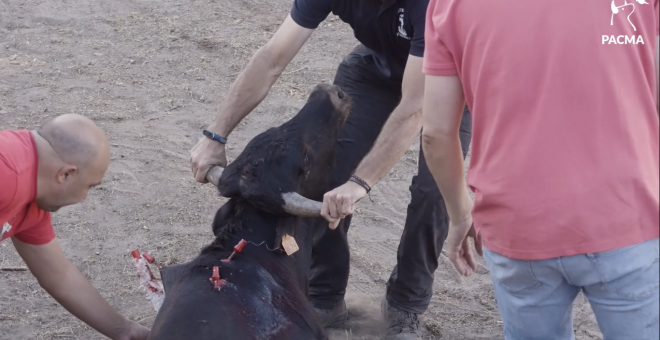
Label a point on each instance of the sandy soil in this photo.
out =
(151, 73)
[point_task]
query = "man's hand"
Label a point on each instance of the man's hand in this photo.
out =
(134, 331)
(460, 252)
(204, 155)
(340, 202)
(68, 286)
(393, 141)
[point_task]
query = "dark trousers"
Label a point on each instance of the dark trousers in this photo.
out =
(410, 285)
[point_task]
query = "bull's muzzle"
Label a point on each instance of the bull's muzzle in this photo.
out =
(294, 203)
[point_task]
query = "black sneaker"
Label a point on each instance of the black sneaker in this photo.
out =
(401, 325)
(333, 318)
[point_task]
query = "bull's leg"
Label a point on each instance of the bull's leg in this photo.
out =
(374, 98)
(410, 286)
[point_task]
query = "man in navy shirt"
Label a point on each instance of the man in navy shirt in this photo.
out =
(383, 76)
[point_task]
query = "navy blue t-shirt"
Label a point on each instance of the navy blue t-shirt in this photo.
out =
(391, 29)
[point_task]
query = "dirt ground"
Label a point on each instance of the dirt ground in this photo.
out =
(151, 73)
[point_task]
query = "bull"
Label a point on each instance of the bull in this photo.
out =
(277, 180)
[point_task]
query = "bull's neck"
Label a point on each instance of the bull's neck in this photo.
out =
(259, 229)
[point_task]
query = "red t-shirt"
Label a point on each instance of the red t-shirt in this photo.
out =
(565, 127)
(18, 190)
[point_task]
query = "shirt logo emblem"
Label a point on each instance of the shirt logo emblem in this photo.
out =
(402, 31)
(619, 9)
(624, 39)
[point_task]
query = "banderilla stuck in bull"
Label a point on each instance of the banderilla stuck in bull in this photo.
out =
(237, 249)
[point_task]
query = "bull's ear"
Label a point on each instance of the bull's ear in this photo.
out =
(170, 274)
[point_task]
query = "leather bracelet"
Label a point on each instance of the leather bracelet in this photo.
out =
(214, 136)
(360, 182)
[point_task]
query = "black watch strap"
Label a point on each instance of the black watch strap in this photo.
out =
(216, 137)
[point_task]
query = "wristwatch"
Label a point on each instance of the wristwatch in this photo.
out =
(216, 137)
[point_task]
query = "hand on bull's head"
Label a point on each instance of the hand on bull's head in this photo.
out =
(204, 155)
(296, 157)
(340, 202)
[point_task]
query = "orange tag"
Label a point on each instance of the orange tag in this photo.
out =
(289, 244)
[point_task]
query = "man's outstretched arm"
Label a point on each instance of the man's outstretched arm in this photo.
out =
(247, 91)
(66, 284)
(395, 138)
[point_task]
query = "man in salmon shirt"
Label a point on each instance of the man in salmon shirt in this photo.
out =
(40, 172)
(564, 162)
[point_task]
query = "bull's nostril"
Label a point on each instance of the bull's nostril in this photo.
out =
(340, 94)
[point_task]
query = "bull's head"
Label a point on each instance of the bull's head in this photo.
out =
(285, 169)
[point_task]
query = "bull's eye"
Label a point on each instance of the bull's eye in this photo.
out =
(304, 169)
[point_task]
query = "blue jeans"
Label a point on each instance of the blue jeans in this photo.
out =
(535, 298)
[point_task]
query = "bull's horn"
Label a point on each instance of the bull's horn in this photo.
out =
(294, 203)
(214, 174)
(297, 205)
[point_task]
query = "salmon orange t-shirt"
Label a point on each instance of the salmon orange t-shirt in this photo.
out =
(565, 124)
(18, 190)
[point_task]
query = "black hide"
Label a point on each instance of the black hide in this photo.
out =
(265, 294)
(294, 157)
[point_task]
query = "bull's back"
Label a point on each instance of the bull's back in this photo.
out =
(251, 304)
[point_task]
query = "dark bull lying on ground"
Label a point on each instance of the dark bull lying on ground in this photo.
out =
(262, 291)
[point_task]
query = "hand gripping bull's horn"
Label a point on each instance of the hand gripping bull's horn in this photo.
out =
(214, 174)
(294, 203)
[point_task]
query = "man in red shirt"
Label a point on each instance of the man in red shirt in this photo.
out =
(40, 172)
(565, 162)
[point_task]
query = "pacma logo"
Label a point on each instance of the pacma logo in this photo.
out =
(624, 39)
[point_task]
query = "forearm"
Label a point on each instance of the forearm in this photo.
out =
(80, 298)
(249, 89)
(446, 166)
(393, 141)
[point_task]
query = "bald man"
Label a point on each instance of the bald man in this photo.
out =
(40, 172)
